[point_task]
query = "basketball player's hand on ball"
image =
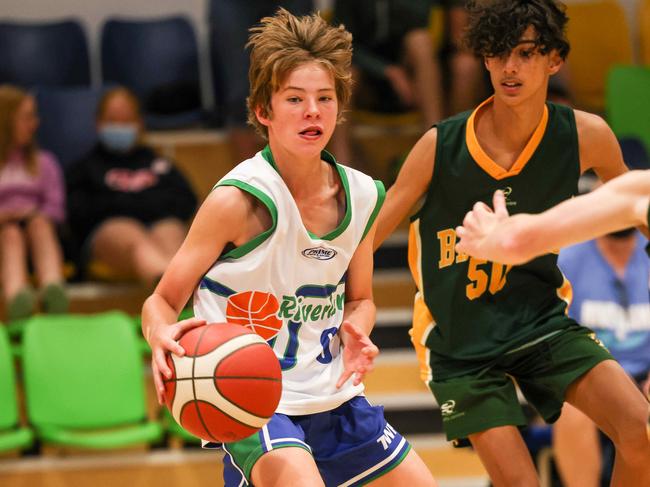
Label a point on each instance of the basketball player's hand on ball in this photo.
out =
(163, 339)
(479, 224)
(358, 354)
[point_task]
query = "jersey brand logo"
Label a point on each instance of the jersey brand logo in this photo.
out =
(319, 253)
(507, 191)
(447, 408)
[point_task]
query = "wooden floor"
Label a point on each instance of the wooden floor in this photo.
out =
(195, 468)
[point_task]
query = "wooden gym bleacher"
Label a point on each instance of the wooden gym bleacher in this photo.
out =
(204, 157)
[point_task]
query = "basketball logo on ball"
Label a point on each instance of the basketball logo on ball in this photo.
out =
(227, 385)
(255, 310)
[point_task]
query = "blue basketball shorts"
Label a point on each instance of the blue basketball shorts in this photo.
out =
(351, 444)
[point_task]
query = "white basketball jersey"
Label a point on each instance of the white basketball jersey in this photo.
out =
(290, 279)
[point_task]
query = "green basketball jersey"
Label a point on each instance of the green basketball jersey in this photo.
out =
(480, 310)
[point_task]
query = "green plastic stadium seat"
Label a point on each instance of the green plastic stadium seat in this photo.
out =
(12, 436)
(84, 381)
(628, 102)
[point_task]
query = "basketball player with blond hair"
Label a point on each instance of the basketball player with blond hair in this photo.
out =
(293, 223)
(621, 203)
(481, 326)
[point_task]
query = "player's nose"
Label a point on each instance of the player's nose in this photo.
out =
(311, 108)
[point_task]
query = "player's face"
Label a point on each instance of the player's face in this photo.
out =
(303, 110)
(524, 71)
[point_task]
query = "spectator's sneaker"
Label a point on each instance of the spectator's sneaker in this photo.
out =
(22, 305)
(55, 298)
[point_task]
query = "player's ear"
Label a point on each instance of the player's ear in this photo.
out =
(555, 62)
(263, 116)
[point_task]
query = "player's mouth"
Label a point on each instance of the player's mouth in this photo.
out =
(311, 133)
(511, 86)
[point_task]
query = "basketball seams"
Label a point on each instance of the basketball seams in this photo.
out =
(210, 351)
(238, 406)
(196, 401)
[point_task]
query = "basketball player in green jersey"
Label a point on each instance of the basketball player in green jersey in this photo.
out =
(623, 202)
(479, 326)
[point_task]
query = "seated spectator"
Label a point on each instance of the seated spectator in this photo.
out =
(609, 276)
(394, 64)
(127, 206)
(31, 204)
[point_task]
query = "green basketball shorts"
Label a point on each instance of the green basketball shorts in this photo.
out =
(543, 370)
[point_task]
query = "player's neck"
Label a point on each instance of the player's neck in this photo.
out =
(514, 124)
(301, 173)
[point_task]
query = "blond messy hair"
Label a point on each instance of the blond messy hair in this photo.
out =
(282, 43)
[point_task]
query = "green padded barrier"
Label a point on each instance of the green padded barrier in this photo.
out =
(84, 381)
(628, 102)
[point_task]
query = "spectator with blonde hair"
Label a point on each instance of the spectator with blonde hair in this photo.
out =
(127, 205)
(31, 204)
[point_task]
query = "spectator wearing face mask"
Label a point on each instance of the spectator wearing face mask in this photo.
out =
(127, 206)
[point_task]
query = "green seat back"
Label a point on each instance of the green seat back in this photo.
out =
(8, 406)
(628, 102)
(83, 371)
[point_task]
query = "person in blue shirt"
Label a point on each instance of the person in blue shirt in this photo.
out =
(609, 277)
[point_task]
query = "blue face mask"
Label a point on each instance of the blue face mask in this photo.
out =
(118, 137)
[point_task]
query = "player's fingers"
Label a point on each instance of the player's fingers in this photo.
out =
(158, 356)
(158, 384)
(190, 323)
(469, 222)
(173, 346)
(499, 203)
(481, 208)
(370, 351)
(344, 377)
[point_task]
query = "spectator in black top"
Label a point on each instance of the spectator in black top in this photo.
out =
(126, 205)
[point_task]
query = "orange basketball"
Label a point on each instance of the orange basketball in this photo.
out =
(255, 310)
(228, 384)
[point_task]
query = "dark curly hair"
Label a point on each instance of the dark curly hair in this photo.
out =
(496, 26)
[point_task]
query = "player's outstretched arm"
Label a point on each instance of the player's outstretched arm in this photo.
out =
(218, 221)
(411, 184)
(359, 315)
(619, 204)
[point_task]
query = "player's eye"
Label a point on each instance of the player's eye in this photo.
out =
(293, 99)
